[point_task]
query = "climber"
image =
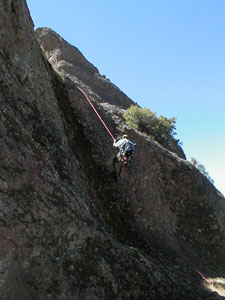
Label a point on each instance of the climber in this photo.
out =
(126, 150)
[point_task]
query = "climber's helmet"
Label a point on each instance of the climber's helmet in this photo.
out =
(125, 136)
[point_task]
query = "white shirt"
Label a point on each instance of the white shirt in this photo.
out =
(120, 143)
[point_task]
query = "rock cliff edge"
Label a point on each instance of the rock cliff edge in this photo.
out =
(67, 229)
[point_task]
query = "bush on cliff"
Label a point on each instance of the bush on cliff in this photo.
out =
(161, 129)
(201, 168)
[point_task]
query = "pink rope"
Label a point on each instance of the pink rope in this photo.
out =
(96, 112)
(188, 261)
(196, 270)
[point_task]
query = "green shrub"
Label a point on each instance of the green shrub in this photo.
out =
(161, 129)
(201, 168)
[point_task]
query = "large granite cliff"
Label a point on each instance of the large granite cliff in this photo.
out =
(67, 229)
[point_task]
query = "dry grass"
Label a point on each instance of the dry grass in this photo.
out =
(217, 285)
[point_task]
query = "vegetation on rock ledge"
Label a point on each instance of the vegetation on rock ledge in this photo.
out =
(161, 129)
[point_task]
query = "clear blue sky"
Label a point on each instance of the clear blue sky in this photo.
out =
(167, 55)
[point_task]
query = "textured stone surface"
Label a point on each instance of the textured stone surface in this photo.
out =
(69, 62)
(67, 229)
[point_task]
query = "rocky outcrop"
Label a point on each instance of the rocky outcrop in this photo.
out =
(68, 230)
(69, 60)
(70, 63)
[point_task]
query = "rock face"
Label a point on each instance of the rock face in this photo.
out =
(68, 230)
